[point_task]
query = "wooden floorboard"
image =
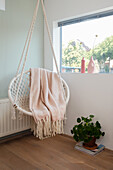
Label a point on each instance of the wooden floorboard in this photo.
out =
(56, 153)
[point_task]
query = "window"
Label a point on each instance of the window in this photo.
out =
(85, 37)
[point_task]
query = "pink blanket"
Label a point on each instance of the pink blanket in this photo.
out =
(47, 102)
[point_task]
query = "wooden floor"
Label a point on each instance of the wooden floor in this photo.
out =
(56, 153)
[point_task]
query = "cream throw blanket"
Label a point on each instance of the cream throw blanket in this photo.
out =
(46, 103)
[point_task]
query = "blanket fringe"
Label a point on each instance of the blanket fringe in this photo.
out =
(46, 128)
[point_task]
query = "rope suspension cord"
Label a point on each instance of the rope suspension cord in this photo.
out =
(34, 15)
(50, 39)
(28, 40)
(27, 44)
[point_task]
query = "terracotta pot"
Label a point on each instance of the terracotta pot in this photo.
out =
(90, 143)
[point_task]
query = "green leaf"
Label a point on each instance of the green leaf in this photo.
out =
(83, 118)
(80, 126)
(91, 116)
(98, 125)
(92, 124)
(75, 129)
(72, 131)
(103, 133)
(76, 137)
(78, 120)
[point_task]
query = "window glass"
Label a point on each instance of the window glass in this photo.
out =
(85, 39)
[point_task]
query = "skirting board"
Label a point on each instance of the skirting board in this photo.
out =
(15, 136)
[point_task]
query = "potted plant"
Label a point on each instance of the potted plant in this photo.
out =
(87, 131)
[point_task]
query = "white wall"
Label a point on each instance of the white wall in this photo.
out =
(90, 93)
(2, 4)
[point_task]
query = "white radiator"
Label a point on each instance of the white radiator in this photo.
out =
(9, 126)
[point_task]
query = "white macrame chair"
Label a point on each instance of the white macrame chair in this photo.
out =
(19, 88)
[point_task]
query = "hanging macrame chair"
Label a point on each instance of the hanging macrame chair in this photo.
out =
(19, 88)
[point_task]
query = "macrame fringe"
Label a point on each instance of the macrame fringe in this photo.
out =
(46, 128)
(13, 113)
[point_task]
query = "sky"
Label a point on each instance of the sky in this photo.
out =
(86, 31)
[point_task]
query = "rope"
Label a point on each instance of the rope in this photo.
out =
(30, 30)
(50, 39)
(29, 40)
(27, 44)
